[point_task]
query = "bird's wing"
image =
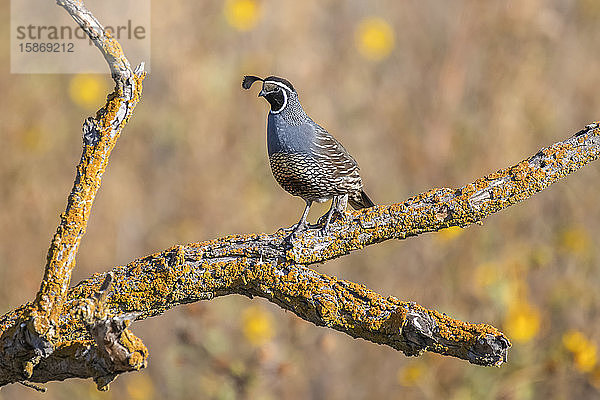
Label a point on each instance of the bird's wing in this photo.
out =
(326, 145)
(334, 157)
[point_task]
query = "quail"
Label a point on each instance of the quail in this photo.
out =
(306, 160)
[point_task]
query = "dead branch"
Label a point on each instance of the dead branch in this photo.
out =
(34, 336)
(82, 331)
(264, 265)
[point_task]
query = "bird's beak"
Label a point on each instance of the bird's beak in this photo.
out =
(262, 93)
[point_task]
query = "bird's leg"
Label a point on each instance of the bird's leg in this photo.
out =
(337, 210)
(341, 206)
(301, 225)
(334, 209)
(325, 228)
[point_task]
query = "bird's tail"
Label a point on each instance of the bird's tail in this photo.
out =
(360, 200)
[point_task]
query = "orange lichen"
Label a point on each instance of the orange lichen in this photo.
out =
(429, 211)
(61, 255)
(235, 264)
(138, 353)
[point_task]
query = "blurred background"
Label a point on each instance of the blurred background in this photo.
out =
(424, 94)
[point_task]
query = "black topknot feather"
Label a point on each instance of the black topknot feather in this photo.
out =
(249, 80)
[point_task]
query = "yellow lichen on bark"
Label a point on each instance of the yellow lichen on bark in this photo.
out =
(61, 255)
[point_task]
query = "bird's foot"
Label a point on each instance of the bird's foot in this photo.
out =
(294, 231)
(324, 231)
(287, 230)
(335, 216)
(296, 228)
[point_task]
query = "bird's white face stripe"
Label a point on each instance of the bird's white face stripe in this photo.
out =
(284, 103)
(280, 85)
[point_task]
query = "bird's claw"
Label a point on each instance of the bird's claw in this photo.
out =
(337, 215)
(323, 231)
(322, 227)
(294, 231)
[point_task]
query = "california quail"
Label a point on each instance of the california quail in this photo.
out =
(305, 159)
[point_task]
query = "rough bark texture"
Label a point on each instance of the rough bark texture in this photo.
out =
(82, 331)
(34, 335)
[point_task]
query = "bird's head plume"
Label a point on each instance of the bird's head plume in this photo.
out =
(275, 90)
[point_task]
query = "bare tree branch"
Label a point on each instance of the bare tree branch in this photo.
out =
(263, 265)
(82, 331)
(445, 207)
(186, 274)
(34, 336)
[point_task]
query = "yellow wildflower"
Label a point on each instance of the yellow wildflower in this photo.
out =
(448, 234)
(411, 374)
(140, 387)
(575, 240)
(257, 326)
(374, 38)
(242, 14)
(88, 91)
(522, 321)
(585, 353)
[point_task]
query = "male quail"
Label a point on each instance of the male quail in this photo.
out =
(305, 159)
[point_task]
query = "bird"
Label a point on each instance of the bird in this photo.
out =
(305, 159)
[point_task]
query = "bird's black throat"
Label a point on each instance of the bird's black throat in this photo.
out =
(276, 99)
